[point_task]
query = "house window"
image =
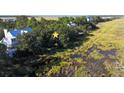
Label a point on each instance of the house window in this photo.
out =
(13, 40)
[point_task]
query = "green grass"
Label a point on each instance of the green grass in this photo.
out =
(96, 55)
(56, 69)
(81, 72)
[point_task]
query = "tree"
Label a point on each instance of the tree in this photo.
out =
(96, 19)
(43, 21)
(80, 20)
(2, 49)
(64, 20)
(42, 36)
(33, 22)
(35, 42)
(1, 34)
(21, 22)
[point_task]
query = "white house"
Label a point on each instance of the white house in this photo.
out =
(10, 38)
(71, 24)
(89, 18)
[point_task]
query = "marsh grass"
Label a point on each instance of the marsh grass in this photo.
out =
(110, 36)
(96, 55)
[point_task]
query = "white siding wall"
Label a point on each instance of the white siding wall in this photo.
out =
(8, 39)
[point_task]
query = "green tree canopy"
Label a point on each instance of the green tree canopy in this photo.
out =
(1, 34)
(21, 22)
(33, 22)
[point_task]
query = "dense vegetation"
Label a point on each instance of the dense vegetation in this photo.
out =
(34, 55)
(42, 36)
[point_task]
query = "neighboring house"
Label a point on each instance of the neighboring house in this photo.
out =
(71, 24)
(8, 19)
(89, 18)
(106, 17)
(10, 38)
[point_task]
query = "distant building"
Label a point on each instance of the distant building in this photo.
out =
(71, 24)
(8, 19)
(106, 17)
(89, 18)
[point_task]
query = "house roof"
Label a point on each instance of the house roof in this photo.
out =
(20, 31)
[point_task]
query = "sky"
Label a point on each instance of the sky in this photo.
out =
(61, 7)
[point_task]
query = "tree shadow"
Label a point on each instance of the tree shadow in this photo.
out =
(31, 66)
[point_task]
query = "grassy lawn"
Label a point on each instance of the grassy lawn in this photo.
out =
(108, 53)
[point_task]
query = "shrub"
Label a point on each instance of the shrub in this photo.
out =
(21, 22)
(41, 38)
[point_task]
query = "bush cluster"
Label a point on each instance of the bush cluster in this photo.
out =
(41, 38)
